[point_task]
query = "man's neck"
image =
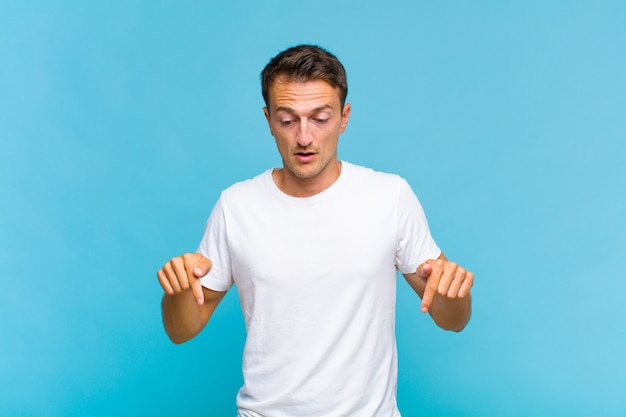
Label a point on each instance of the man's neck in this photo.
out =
(295, 186)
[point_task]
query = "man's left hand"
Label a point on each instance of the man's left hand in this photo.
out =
(445, 279)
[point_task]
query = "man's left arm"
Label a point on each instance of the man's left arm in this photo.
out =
(444, 288)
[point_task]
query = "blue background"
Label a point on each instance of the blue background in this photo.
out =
(121, 121)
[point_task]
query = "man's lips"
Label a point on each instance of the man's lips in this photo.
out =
(304, 156)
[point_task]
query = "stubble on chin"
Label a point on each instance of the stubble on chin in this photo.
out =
(308, 171)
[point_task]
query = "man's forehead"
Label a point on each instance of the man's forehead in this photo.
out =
(287, 93)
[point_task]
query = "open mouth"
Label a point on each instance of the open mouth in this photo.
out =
(305, 156)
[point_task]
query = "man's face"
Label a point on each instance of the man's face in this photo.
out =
(306, 120)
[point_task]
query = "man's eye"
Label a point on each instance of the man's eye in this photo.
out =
(286, 122)
(321, 120)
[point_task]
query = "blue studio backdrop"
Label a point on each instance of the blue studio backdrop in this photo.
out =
(121, 122)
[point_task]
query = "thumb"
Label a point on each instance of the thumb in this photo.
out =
(424, 270)
(202, 267)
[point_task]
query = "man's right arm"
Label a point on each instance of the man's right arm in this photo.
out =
(187, 306)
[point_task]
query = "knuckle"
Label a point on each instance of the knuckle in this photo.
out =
(189, 258)
(168, 269)
(470, 279)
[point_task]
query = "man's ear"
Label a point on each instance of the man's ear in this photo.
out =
(345, 116)
(266, 112)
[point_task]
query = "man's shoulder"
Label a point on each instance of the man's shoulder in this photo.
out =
(373, 177)
(247, 187)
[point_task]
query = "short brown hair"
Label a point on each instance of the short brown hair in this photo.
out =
(304, 63)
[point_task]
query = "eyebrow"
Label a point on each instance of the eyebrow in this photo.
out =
(314, 111)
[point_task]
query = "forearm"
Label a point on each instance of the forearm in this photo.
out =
(451, 313)
(182, 317)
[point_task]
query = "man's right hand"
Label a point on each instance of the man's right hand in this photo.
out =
(183, 273)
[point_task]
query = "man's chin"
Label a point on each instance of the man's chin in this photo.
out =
(308, 170)
(305, 174)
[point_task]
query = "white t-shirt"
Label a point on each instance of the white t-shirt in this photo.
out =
(317, 285)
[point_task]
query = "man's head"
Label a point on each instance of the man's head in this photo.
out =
(305, 63)
(305, 90)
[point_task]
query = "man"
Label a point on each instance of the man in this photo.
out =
(314, 248)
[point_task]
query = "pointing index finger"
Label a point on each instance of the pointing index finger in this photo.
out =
(432, 285)
(198, 292)
(191, 260)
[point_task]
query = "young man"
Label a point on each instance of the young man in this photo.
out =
(314, 248)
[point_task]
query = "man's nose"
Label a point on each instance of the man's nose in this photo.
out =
(303, 136)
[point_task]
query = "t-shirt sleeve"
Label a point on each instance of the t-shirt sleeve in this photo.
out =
(214, 245)
(415, 243)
